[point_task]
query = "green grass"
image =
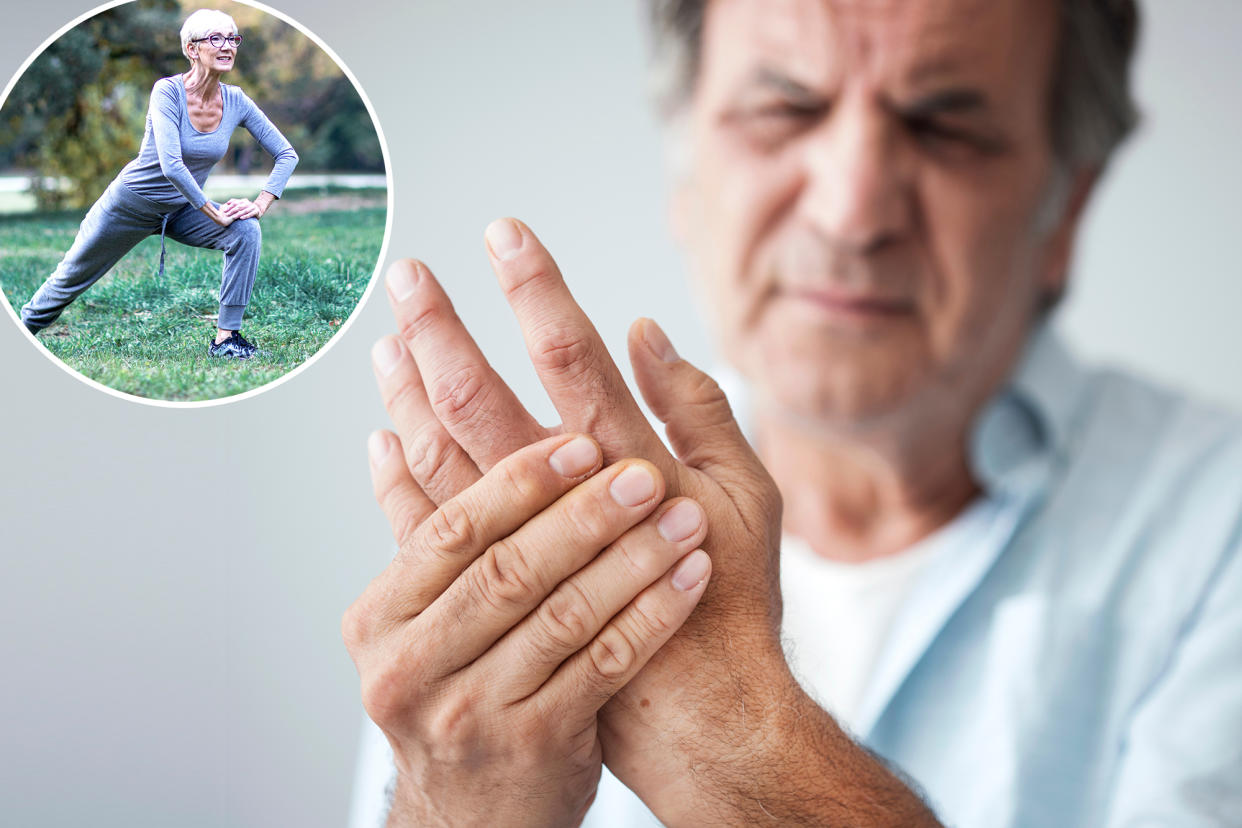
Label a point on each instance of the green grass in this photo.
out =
(148, 336)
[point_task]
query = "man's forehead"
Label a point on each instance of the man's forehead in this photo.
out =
(902, 41)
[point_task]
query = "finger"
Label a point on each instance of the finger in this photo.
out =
(572, 362)
(454, 535)
(583, 603)
(699, 421)
(403, 502)
(436, 461)
(475, 405)
(594, 674)
(515, 574)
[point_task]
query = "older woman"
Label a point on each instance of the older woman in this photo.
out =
(189, 123)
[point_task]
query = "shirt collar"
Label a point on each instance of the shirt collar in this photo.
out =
(1018, 434)
(1024, 428)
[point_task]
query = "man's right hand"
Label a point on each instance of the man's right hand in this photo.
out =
(488, 646)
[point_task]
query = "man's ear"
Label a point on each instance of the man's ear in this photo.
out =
(1059, 249)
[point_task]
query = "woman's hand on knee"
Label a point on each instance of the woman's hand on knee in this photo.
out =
(241, 208)
(216, 214)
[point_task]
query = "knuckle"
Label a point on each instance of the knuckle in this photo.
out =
(429, 455)
(449, 530)
(455, 721)
(558, 350)
(388, 692)
(647, 619)
(405, 396)
(416, 324)
(504, 576)
(536, 273)
(612, 654)
(356, 625)
(566, 617)
(520, 480)
(405, 522)
(587, 517)
(709, 402)
(456, 395)
(637, 558)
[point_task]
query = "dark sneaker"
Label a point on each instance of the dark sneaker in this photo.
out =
(234, 347)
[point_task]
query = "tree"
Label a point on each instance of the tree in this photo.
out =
(79, 110)
(74, 110)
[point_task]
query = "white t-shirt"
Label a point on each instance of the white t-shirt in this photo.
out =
(838, 615)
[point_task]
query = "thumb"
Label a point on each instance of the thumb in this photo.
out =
(695, 412)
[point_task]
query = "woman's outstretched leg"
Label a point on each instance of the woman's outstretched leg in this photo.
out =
(110, 229)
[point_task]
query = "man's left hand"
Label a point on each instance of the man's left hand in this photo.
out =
(456, 418)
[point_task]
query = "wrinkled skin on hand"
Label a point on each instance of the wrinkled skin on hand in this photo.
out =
(458, 419)
(510, 615)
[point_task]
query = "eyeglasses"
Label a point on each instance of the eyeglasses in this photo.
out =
(217, 40)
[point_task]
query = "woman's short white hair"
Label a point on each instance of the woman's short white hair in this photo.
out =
(202, 23)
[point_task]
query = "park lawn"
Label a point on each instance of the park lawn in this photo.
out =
(147, 336)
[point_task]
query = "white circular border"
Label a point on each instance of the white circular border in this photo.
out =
(383, 253)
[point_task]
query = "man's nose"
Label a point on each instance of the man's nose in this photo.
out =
(857, 190)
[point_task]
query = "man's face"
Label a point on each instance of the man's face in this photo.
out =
(863, 201)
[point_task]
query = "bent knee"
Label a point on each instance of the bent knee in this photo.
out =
(248, 232)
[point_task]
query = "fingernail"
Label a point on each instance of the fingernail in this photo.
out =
(401, 281)
(386, 354)
(633, 486)
(575, 458)
(680, 522)
(377, 447)
(692, 571)
(658, 342)
(504, 238)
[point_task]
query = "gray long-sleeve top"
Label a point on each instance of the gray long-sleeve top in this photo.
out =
(175, 158)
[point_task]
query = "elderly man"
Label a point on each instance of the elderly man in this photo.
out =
(1012, 587)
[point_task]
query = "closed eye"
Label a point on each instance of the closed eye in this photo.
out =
(771, 123)
(791, 109)
(936, 135)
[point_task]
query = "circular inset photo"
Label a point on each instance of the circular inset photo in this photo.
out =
(194, 199)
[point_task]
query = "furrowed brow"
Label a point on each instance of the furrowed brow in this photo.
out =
(768, 78)
(956, 101)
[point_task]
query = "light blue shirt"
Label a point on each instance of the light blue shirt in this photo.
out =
(1078, 660)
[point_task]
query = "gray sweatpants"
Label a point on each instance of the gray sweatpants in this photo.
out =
(116, 223)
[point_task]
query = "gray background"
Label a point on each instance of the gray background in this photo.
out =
(171, 581)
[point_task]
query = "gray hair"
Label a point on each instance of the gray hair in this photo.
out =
(1092, 110)
(202, 23)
